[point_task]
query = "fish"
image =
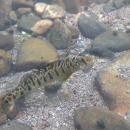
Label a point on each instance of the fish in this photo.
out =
(57, 71)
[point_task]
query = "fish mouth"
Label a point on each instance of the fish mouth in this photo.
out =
(88, 68)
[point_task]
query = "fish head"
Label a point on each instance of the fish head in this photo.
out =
(82, 62)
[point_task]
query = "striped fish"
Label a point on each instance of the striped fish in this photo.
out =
(58, 71)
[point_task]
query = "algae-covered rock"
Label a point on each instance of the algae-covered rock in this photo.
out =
(60, 36)
(95, 118)
(35, 53)
(13, 17)
(5, 63)
(6, 41)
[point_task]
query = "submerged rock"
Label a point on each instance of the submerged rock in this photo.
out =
(14, 125)
(6, 41)
(114, 42)
(42, 26)
(35, 53)
(74, 31)
(60, 36)
(53, 11)
(58, 2)
(89, 27)
(4, 23)
(5, 63)
(84, 2)
(22, 11)
(99, 51)
(72, 6)
(13, 17)
(40, 7)
(26, 22)
(108, 8)
(95, 118)
(113, 86)
(22, 3)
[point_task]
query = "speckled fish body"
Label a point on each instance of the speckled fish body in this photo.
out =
(57, 71)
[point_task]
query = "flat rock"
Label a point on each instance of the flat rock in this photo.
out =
(72, 6)
(119, 3)
(14, 125)
(35, 53)
(89, 27)
(53, 11)
(6, 41)
(114, 85)
(60, 36)
(22, 4)
(5, 63)
(95, 118)
(114, 42)
(26, 22)
(42, 26)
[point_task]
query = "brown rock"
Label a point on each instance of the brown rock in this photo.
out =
(6, 41)
(5, 8)
(5, 63)
(42, 26)
(64, 128)
(22, 11)
(113, 87)
(35, 53)
(95, 118)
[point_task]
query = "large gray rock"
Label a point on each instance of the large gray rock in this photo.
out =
(89, 27)
(35, 53)
(14, 125)
(26, 22)
(60, 36)
(72, 6)
(114, 41)
(119, 3)
(6, 41)
(95, 118)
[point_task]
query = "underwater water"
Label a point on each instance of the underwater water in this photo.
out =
(64, 64)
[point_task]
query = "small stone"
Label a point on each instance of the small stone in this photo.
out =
(42, 26)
